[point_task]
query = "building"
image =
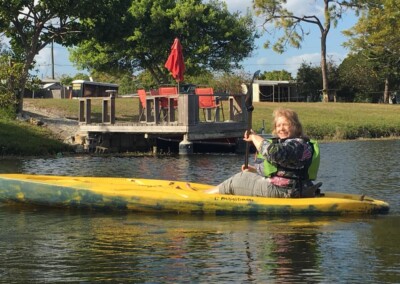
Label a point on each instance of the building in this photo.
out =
(48, 89)
(275, 91)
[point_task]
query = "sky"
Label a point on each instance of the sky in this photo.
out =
(261, 59)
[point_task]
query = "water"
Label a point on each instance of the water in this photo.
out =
(56, 245)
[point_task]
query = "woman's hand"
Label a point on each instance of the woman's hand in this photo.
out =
(249, 168)
(248, 135)
(251, 136)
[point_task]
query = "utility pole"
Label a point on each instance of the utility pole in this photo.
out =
(52, 59)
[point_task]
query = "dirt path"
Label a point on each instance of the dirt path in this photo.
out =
(63, 128)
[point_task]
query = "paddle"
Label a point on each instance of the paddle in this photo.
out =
(249, 106)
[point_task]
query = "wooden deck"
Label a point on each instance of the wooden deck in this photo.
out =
(186, 123)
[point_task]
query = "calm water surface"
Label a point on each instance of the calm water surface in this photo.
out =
(54, 245)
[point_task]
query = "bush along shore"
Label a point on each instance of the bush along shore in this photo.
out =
(322, 121)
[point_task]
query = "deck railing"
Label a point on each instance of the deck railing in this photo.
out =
(188, 112)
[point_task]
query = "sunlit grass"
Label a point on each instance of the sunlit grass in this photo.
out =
(23, 139)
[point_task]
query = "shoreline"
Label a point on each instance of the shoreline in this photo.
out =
(62, 126)
(67, 127)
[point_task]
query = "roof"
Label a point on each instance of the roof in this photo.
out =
(55, 85)
(95, 83)
(273, 83)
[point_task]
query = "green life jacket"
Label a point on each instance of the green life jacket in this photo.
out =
(309, 173)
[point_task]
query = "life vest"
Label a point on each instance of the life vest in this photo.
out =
(308, 173)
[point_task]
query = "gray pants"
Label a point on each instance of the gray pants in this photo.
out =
(251, 184)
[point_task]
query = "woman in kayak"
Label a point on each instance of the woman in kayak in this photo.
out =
(285, 165)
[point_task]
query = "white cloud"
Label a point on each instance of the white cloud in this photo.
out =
(238, 5)
(294, 62)
(304, 7)
(262, 61)
(314, 59)
(300, 7)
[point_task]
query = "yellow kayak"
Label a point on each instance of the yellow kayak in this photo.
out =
(148, 195)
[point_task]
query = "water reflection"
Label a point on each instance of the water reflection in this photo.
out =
(47, 245)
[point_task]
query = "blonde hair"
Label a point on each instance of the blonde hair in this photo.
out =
(295, 124)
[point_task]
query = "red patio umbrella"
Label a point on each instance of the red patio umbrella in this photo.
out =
(175, 62)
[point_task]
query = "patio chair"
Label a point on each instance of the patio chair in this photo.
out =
(142, 98)
(164, 105)
(208, 102)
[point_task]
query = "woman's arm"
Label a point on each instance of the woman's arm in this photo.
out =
(257, 140)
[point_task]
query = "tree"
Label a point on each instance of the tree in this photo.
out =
(66, 80)
(358, 82)
(277, 75)
(9, 73)
(309, 82)
(32, 24)
(278, 16)
(376, 37)
(211, 36)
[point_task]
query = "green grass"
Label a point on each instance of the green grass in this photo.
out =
(19, 138)
(323, 121)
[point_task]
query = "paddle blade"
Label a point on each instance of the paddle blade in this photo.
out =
(249, 96)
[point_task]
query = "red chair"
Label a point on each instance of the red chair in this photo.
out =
(154, 92)
(142, 98)
(168, 91)
(208, 102)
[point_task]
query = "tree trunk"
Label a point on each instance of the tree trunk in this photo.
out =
(386, 92)
(20, 88)
(324, 68)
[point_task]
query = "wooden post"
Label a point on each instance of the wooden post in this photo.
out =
(231, 109)
(108, 110)
(88, 111)
(188, 109)
(171, 110)
(81, 110)
(112, 109)
(104, 111)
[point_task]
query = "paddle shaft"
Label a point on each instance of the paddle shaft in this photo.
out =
(249, 126)
(250, 108)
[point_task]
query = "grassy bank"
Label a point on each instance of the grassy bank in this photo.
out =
(19, 138)
(323, 121)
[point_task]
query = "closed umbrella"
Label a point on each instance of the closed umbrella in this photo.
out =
(175, 62)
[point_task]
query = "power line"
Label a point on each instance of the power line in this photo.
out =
(49, 64)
